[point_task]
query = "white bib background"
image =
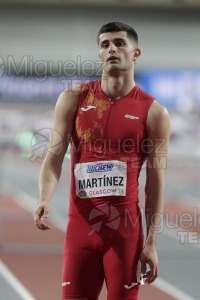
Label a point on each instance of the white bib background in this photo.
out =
(100, 179)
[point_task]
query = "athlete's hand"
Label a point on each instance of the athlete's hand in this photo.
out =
(149, 257)
(40, 215)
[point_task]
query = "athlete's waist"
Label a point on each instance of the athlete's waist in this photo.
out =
(121, 203)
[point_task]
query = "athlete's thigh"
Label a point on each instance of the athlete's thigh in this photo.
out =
(83, 272)
(120, 265)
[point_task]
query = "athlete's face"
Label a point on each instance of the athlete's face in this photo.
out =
(117, 52)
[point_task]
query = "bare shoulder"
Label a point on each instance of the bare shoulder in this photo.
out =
(158, 117)
(68, 101)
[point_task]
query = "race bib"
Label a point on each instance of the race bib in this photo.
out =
(100, 179)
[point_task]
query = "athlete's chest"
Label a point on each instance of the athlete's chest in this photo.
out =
(119, 120)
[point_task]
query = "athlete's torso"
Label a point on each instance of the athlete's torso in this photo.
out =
(109, 130)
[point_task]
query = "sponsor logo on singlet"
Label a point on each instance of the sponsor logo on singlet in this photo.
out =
(131, 117)
(65, 283)
(88, 107)
(100, 168)
(128, 287)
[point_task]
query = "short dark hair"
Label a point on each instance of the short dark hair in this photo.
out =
(118, 26)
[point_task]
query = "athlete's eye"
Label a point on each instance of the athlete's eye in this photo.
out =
(104, 45)
(120, 43)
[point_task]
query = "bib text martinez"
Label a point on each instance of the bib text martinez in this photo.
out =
(101, 182)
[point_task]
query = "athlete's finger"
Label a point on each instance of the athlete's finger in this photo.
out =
(152, 272)
(143, 265)
(154, 276)
(45, 216)
(39, 216)
(42, 225)
(45, 211)
(36, 215)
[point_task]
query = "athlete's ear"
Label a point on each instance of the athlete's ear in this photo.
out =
(136, 54)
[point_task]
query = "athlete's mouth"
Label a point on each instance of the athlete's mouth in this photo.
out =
(113, 57)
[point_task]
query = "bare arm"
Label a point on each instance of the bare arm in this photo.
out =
(158, 132)
(65, 110)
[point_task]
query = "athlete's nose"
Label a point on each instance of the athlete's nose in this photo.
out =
(112, 48)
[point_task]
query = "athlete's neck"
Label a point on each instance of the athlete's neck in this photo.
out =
(117, 87)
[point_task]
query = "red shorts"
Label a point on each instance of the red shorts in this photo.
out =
(102, 242)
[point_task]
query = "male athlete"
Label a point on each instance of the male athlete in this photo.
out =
(113, 127)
